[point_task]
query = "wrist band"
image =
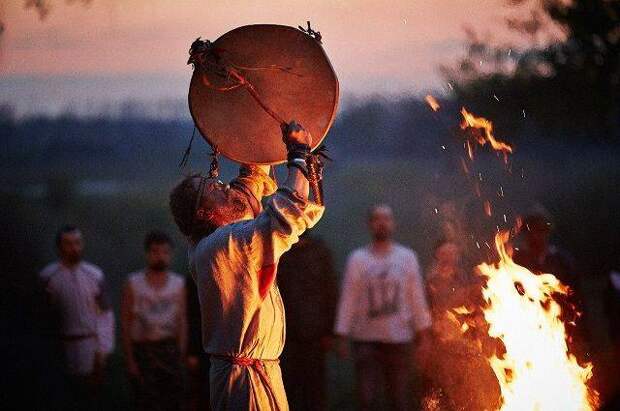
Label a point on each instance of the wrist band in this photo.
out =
(295, 150)
(299, 164)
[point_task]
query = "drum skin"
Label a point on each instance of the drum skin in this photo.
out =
(290, 73)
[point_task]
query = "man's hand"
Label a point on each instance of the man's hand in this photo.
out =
(294, 133)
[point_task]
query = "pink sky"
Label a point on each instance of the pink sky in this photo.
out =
(375, 46)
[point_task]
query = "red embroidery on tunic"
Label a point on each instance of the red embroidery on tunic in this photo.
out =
(266, 275)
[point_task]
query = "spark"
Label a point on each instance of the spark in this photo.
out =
(432, 102)
(495, 97)
(487, 208)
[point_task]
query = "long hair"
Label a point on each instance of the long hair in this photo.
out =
(183, 207)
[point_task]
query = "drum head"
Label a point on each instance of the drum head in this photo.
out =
(292, 77)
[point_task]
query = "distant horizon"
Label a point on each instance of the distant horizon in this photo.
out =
(95, 95)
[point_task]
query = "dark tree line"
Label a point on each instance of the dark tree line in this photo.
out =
(566, 80)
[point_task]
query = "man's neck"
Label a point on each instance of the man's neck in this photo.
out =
(156, 278)
(381, 247)
(156, 273)
(71, 265)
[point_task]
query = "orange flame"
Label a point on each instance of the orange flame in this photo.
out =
(537, 371)
(432, 102)
(481, 123)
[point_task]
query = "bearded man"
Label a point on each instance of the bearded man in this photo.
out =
(76, 290)
(234, 251)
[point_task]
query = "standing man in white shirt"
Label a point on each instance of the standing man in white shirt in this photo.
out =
(75, 290)
(154, 328)
(382, 311)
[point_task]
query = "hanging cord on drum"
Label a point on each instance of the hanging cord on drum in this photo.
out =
(200, 49)
(214, 168)
(188, 150)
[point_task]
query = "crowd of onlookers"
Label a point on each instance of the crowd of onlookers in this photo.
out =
(388, 318)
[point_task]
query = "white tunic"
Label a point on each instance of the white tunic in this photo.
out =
(77, 293)
(383, 298)
(156, 311)
(242, 310)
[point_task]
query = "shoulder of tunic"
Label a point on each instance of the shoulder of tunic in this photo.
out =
(359, 253)
(405, 251)
(49, 270)
(176, 279)
(215, 240)
(93, 270)
(135, 276)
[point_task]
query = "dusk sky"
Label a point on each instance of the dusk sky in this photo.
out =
(114, 50)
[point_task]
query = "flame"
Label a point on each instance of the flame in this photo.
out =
(471, 121)
(537, 371)
(462, 310)
(432, 102)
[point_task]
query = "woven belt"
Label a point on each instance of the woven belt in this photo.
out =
(256, 364)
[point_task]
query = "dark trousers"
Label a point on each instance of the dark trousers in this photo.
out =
(83, 393)
(383, 365)
(198, 385)
(304, 375)
(160, 386)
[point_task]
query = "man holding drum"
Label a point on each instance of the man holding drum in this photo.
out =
(234, 251)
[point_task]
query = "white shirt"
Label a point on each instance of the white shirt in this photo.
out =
(77, 293)
(383, 298)
(156, 310)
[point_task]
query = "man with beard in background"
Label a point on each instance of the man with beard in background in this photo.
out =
(75, 290)
(383, 310)
(154, 330)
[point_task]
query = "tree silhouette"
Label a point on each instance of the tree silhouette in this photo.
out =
(567, 78)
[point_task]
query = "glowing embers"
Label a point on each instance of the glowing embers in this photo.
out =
(485, 134)
(432, 102)
(536, 372)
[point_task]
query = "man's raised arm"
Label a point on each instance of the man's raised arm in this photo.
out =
(288, 213)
